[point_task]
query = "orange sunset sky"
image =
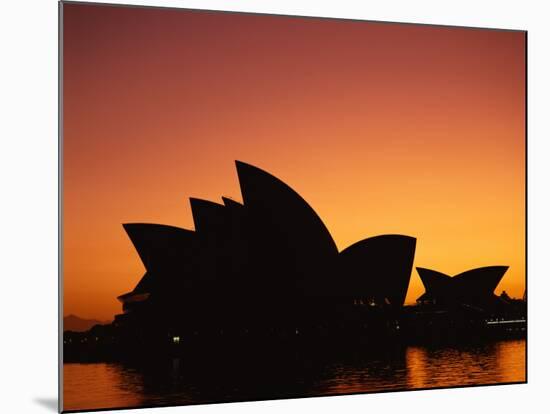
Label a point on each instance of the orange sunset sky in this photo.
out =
(382, 128)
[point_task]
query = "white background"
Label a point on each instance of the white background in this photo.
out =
(28, 206)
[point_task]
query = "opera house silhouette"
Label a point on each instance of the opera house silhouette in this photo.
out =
(474, 287)
(268, 264)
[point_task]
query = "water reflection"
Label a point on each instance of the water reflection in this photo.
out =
(100, 385)
(488, 363)
(226, 378)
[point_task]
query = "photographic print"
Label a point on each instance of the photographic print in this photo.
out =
(259, 207)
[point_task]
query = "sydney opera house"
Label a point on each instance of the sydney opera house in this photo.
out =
(474, 288)
(268, 264)
(464, 307)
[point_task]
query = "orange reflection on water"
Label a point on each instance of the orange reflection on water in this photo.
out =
(492, 363)
(511, 361)
(110, 385)
(99, 385)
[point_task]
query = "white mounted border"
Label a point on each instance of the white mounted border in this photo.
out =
(28, 167)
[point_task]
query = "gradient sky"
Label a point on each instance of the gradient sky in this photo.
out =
(382, 128)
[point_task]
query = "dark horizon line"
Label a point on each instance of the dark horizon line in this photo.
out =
(414, 303)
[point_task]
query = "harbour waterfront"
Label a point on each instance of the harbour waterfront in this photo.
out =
(178, 381)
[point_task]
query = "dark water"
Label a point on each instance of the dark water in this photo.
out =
(177, 381)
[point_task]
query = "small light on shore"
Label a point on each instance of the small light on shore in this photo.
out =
(176, 339)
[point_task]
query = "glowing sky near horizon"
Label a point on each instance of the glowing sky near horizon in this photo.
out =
(382, 128)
